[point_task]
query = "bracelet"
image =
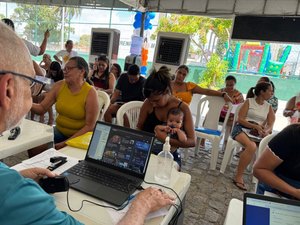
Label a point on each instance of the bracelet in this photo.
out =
(223, 94)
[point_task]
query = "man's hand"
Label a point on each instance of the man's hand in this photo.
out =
(37, 173)
(152, 199)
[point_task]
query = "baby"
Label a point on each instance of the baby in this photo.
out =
(173, 126)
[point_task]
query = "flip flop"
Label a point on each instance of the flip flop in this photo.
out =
(239, 185)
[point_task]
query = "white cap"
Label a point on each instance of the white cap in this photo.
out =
(167, 146)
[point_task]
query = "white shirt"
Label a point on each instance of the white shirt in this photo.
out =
(65, 56)
(256, 112)
(33, 49)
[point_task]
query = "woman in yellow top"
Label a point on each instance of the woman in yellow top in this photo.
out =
(76, 103)
(185, 90)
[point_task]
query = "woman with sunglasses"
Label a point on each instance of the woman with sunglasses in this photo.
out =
(159, 100)
(75, 100)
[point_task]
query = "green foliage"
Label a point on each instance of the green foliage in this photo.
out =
(198, 27)
(40, 18)
(84, 41)
(213, 76)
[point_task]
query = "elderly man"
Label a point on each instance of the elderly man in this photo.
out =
(22, 200)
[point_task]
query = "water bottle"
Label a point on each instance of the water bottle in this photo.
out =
(294, 117)
(164, 164)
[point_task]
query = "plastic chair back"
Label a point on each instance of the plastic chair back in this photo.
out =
(132, 111)
(104, 102)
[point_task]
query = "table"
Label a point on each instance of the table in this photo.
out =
(91, 214)
(32, 134)
(234, 215)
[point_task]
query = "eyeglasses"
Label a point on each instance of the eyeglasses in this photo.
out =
(68, 68)
(35, 85)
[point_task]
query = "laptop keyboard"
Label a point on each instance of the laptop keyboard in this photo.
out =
(104, 177)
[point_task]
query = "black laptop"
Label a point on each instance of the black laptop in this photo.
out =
(115, 163)
(266, 210)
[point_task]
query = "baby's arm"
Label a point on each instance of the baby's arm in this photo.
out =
(181, 135)
(161, 129)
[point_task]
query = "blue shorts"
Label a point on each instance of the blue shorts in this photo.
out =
(237, 129)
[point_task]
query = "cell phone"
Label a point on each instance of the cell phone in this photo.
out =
(54, 184)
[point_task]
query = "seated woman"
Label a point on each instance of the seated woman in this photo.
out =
(234, 94)
(101, 77)
(277, 169)
(254, 112)
(116, 70)
(159, 100)
(237, 98)
(273, 101)
(45, 63)
(75, 100)
(185, 90)
(292, 105)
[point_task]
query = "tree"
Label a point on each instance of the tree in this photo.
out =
(198, 27)
(40, 18)
(84, 41)
(213, 76)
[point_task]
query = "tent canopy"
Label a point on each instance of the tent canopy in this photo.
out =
(218, 8)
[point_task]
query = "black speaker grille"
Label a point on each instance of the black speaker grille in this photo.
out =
(169, 51)
(100, 43)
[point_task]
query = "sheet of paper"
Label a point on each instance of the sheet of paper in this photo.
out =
(43, 160)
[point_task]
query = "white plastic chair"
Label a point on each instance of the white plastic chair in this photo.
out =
(207, 125)
(132, 111)
(104, 102)
(262, 146)
(194, 104)
(231, 144)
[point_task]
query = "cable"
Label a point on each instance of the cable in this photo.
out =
(177, 207)
(104, 206)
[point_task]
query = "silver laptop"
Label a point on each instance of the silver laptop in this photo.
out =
(266, 210)
(115, 164)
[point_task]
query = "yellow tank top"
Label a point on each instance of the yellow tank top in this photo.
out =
(186, 96)
(71, 109)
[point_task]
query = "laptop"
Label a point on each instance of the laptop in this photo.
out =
(115, 163)
(266, 210)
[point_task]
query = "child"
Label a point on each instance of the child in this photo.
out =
(173, 126)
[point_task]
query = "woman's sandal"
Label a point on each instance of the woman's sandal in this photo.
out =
(239, 185)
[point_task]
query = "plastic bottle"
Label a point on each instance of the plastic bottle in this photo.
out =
(295, 117)
(164, 164)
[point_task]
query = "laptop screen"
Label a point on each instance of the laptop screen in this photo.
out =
(265, 210)
(120, 147)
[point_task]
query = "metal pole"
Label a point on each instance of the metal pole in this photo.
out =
(62, 28)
